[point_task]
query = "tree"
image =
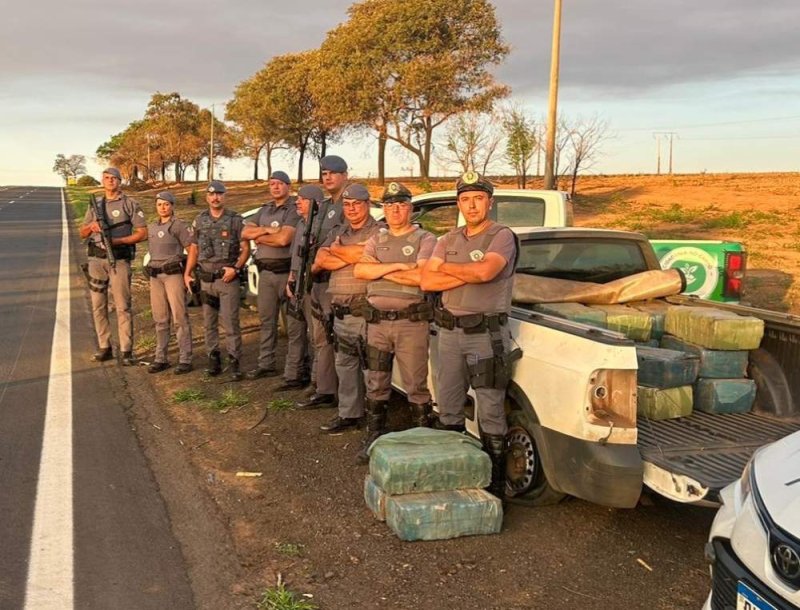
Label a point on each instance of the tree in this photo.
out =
(176, 122)
(471, 141)
(404, 68)
(69, 167)
(521, 143)
(584, 138)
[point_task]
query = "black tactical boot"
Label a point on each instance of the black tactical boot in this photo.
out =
(233, 369)
(103, 354)
(495, 446)
(376, 425)
(421, 414)
(214, 367)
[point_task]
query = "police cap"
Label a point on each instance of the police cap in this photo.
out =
(113, 171)
(166, 196)
(333, 163)
(396, 193)
(473, 181)
(356, 191)
(282, 176)
(311, 191)
(215, 186)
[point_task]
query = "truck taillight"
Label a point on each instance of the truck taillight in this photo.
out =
(612, 398)
(734, 274)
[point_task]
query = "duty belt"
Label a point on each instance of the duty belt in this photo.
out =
(417, 312)
(470, 323)
(172, 268)
(120, 252)
(323, 277)
(280, 265)
(340, 311)
(210, 276)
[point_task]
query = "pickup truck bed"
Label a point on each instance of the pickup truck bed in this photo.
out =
(711, 449)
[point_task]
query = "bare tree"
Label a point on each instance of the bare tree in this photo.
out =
(471, 141)
(583, 140)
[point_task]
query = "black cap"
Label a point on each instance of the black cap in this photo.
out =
(215, 186)
(282, 176)
(311, 191)
(396, 193)
(473, 181)
(332, 163)
(166, 196)
(356, 191)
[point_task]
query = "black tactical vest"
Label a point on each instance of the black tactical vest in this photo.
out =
(215, 238)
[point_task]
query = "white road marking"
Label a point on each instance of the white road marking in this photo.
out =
(50, 568)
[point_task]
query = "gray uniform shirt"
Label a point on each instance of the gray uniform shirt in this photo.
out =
(344, 286)
(122, 214)
(271, 215)
(168, 240)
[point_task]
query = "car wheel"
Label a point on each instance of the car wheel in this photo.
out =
(526, 481)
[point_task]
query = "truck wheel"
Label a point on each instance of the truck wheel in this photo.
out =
(526, 481)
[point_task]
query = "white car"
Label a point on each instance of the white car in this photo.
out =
(754, 545)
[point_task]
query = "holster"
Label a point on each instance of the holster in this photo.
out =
(208, 276)
(378, 360)
(208, 299)
(294, 308)
(495, 371)
(95, 285)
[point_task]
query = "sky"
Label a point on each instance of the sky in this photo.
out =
(722, 75)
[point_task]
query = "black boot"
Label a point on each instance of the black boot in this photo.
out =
(376, 425)
(214, 367)
(233, 369)
(421, 414)
(495, 446)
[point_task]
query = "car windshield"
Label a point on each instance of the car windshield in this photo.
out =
(440, 216)
(584, 260)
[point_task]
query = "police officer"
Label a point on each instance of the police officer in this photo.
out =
(334, 180)
(296, 374)
(221, 252)
(127, 227)
(473, 267)
(342, 249)
(398, 313)
(168, 237)
(272, 228)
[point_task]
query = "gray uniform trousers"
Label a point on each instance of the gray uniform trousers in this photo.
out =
(325, 380)
(352, 377)
(297, 352)
(228, 316)
(455, 349)
(409, 342)
(119, 284)
(168, 302)
(271, 291)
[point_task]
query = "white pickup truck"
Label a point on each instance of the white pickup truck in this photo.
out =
(571, 405)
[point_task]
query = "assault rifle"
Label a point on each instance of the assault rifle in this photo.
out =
(105, 230)
(302, 281)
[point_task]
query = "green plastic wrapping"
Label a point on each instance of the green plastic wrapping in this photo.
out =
(714, 363)
(444, 514)
(574, 312)
(658, 312)
(635, 324)
(375, 498)
(665, 368)
(655, 403)
(724, 395)
(421, 459)
(714, 328)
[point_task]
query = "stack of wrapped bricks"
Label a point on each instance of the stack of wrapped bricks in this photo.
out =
(689, 357)
(428, 485)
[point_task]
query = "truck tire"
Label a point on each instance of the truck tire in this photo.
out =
(526, 480)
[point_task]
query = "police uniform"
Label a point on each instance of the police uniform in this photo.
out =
(473, 335)
(397, 325)
(347, 295)
(167, 242)
(122, 215)
(218, 243)
(273, 264)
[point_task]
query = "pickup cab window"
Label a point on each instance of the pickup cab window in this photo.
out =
(441, 215)
(582, 260)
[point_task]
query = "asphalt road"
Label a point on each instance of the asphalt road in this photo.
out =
(82, 524)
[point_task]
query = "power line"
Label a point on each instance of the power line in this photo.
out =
(721, 124)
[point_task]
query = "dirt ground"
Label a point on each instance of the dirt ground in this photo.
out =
(304, 522)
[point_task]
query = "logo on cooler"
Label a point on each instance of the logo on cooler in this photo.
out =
(698, 266)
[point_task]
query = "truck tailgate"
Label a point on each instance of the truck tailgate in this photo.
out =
(711, 449)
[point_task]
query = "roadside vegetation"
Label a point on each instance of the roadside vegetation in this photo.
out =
(280, 598)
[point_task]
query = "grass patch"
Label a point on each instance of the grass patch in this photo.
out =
(146, 314)
(188, 395)
(145, 343)
(280, 404)
(675, 214)
(230, 399)
(732, 220)
(289, 549)
(280, 598)
(78, 198)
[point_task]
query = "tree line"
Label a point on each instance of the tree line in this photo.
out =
(417, 74)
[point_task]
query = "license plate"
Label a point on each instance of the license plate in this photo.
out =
(747, 599)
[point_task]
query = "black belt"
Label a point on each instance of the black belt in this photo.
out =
(470, 323)
(322, 277)
(120, 252)
(279, 265)
(340, 311)
(172, 268)
(210, 276)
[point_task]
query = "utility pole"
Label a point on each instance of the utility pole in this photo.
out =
(667, 134)
(211, 148)
(657, 136)
(549, 161)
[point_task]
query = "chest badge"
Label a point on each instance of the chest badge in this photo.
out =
(408, 250)
(141, 214)
(476, 255)
(224, 234)
(161, 233)
(274, 224)
(331, 213)
(115, 213)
